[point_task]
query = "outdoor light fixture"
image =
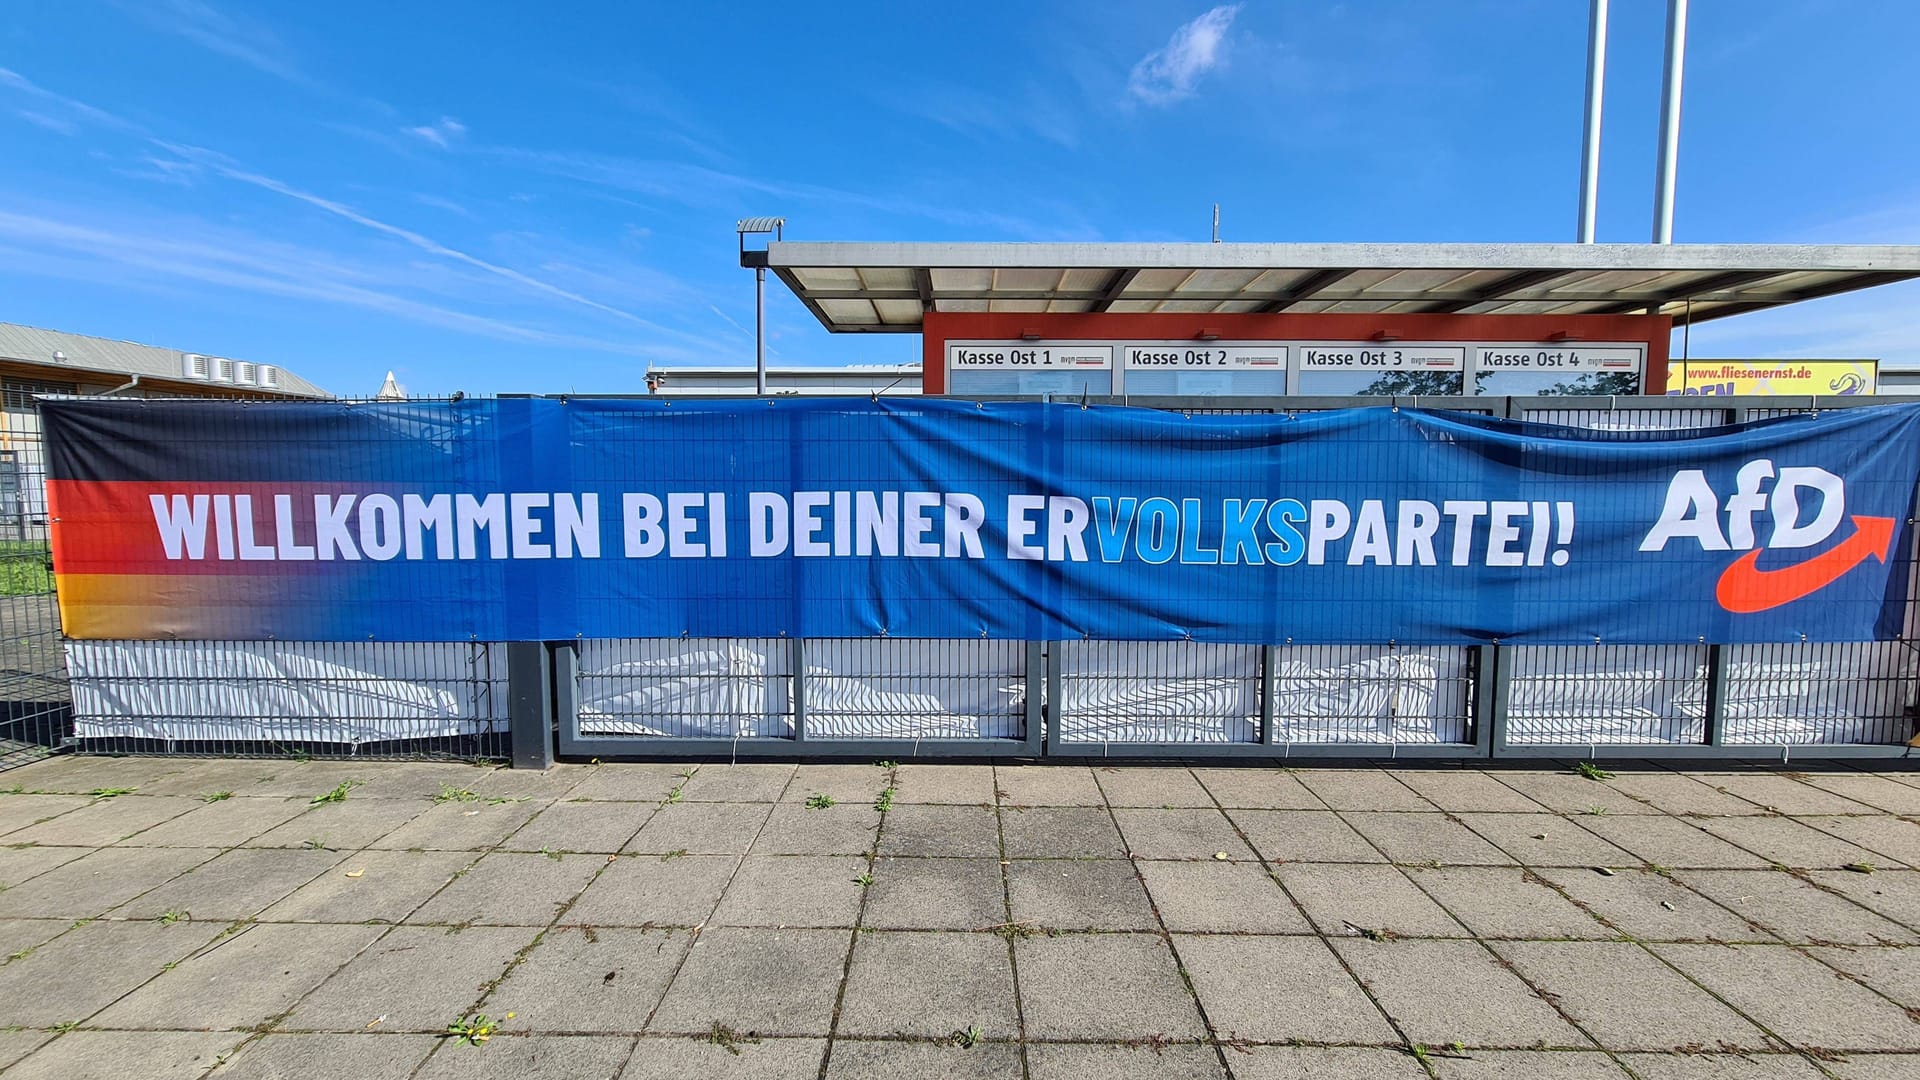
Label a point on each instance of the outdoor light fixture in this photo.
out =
(1386, 335)
(1560, 336)
(758, 226)
(1208, 333)
(1029, 334)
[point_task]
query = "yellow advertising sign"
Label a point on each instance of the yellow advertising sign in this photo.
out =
(1826, 378)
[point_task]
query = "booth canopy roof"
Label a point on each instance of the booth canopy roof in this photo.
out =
(887, 287)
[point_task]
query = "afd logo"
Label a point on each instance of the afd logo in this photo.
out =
(1778, 499)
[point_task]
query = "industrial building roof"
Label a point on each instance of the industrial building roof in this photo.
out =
(888, 287)
(53, 348)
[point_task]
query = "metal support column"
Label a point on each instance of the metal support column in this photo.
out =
(1034, 716)
(1490, 698)
(1670, 86)
(797, 661)
(1269, 657)
(1054, 706)
(530, 704)
(1590, 136)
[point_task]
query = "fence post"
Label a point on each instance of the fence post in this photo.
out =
(530, 704)
(797, 661)
(1269, 656)
(1490, 696)
(1034, 735)
(1054, 702)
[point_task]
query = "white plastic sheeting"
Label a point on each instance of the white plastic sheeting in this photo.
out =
(742, 688)
(1588, 695)
(1801, 694)
(285, 691)
(1183, 692)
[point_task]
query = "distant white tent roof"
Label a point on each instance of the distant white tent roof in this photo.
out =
(390, 390)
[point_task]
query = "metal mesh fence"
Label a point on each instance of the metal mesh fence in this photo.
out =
(733, 688)
(1156, 692)
(35, 706)
(1372, 694)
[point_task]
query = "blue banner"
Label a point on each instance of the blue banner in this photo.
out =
(525, 519)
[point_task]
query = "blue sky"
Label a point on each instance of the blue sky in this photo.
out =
(541, 197)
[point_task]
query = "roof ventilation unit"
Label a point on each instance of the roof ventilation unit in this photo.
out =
(196, 366)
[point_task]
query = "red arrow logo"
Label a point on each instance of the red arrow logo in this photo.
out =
(1744, 588)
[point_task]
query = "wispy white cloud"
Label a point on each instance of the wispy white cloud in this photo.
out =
(440, 202)
(232, 36)
(442, 133)
(1170, 73)
(51, 123)
(75, 110)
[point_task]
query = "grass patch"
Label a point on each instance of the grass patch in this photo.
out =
(817, 801)
(216, 796)
(449, 793)
(110, 792)
(174, 915)
(26, 568)
(476, 1029)
(339, 792)
(1591, 771)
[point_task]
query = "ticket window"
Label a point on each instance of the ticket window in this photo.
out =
(1384, 369)
(1381, 383)
(1030, 369)
(1558, 370)
(987, 382)
(1209, 369)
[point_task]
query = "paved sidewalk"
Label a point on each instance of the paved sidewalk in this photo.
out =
(651, 922)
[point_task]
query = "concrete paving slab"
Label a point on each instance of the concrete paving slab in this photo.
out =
(951, 784)
(590, 980)
(1879, 792)
(1721, 1066)
(641, 890)
(1362, 789)
(81, 773)
(1892, 840)
(1546, 840)
(1567, 792)
(775, 982)
(750, 783)
(1785, 793)
(556, 782)
(416, 978)
(1317, 1001)
(1104, 986)
(307, 1057)
(506, 889)
(596, 828)
(243, 979)
(529, 1057)
(1341, 898)
(20, 810)
(1794, 910)
(449, 826)
(90, 885)
(1892, 971)
(220, 824)
(953, 831)
(1893, 893)
(80, 973)
(1787, 842)
(681, 1058)
(19, 936)
(1220, 897)
(105, 821)
(238, 884)
(150, 1055)
(853, 1060)
(1060, 832)
(1180, 834)
(1266, 788)
(1876, 1067)
(419, 779)
(929, 984)
(1148, 786)
(1070, 894)
(15, 1045)
(647, 783)
(1442, 992)
(1651, 907)
(22, 863)
(935, 894)
(711, 828)
(343, 826)
(369, 886)
(795, 829)
(1796, 997)
(288, 778)
(1672, 842)
(1681, 794)
(1458, 790)
(1626, 998)
(1426, 838)
(201, 776)
(1528, 1065)
(793, 890)
(851, 784)
(1507, 902)
(1323, 1063)
(1092, 1061)
(1047, 785)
